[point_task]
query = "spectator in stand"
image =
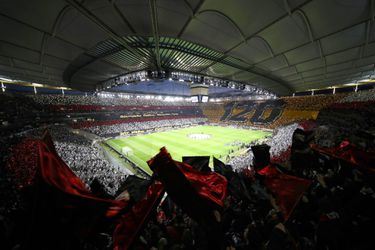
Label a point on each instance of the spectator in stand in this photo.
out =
(143, 126)
(103, 101)
(361, 96)
(86, 161)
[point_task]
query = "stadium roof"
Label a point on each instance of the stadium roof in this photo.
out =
(280, 45)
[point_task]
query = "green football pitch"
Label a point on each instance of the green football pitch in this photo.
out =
(193, 141)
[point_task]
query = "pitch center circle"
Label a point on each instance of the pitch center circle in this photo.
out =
(199, 136)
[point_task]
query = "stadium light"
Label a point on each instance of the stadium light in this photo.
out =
(6, 79)
(365, 80)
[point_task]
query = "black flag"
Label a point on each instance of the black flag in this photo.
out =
(198, 162)
(221, 168)
(135, 186)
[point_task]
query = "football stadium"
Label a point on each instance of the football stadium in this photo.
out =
(187, 124)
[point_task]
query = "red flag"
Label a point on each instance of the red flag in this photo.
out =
(67, 193)
(196, 192)
(212, 186)
(287, 189)
(132, 222)
(350, 153)
(58, 175)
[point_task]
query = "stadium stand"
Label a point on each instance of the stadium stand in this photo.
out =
(101, 101)
(319, 178)
(213, 111)
(251, 113)
(271, 113)
(187, 124)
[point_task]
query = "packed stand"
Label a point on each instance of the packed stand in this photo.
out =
(213, 112)
(280, 145)
(335, 211)
(103, 101)
(361, 96)
(352, 116)
(82, 155)
(114, 130)
(315, 103)
(18, 113)
(86, 160)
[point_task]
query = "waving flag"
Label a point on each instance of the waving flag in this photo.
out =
(350, 153)
(64, 207)
(286, 189)
(195, 192)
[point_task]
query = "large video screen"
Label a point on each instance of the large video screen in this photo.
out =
(204, 98)
(194, 98)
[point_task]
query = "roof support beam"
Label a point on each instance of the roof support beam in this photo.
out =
(266, 27)
(58, 19)
(99, 23)
(256, 34)
(316, 39)
(189, 6)
(228, 19)
(287, 7)
(307, 24)
(122, 17)
(196, 9)
(155, 31)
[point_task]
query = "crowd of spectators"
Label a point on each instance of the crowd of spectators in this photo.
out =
(213, 111)
(104, 101)
(316, 102)
(241, 161)
(294, 110)
(81, 154)
(282, 139)
(85, 159)
(361, 96)
(336, 212)
(280, 143)
(18, 113)
(142, 126)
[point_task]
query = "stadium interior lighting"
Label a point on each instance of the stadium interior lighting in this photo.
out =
(365, 80)
(183, 77)
(37, 85)
(6, 79)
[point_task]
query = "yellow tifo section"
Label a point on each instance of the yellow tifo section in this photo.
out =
(266, 113)
(310, 102)
(303, 108)
(290, 116)
(305, 115)
(236, 111)
(213, 111)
